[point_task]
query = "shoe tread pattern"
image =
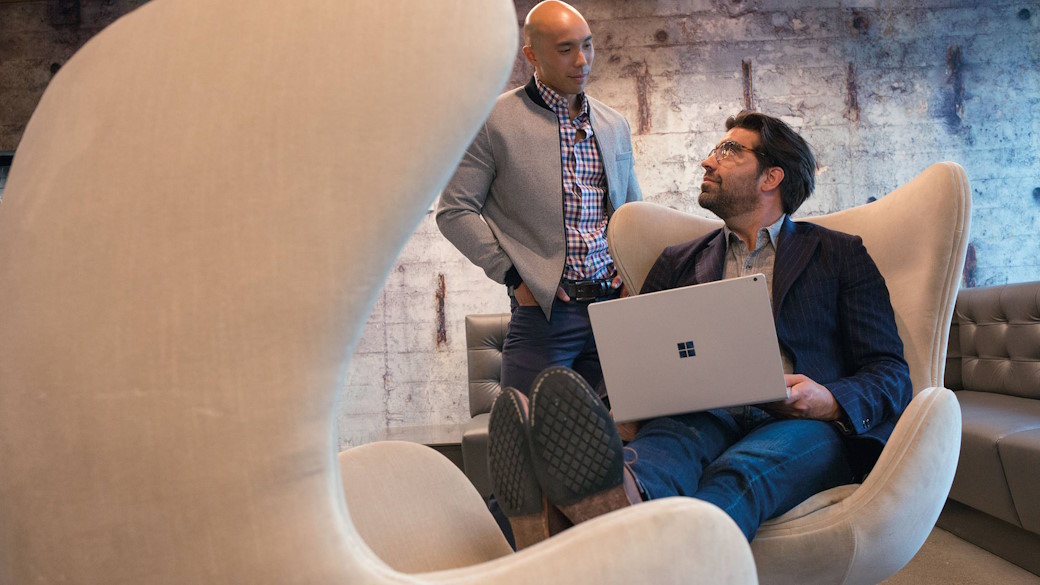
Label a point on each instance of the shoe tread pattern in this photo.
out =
(512, 474)
(576, 446)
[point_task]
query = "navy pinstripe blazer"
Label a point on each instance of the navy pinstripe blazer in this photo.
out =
(833, 318)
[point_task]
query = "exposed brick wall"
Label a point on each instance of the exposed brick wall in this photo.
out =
(880, 90)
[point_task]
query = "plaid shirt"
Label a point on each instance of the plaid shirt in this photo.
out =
(584, 187)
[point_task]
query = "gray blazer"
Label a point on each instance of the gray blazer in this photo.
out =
(504, 206)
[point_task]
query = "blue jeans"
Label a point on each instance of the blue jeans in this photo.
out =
(533, 344)
(743, 460)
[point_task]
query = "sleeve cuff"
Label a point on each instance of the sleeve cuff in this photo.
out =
(844, 424)
(513, 277)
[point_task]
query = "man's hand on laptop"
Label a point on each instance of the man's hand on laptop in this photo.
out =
(806, 399)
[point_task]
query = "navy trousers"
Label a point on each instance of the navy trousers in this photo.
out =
(743, 460)
(532, 344)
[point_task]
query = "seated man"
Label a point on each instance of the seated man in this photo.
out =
(843, 361)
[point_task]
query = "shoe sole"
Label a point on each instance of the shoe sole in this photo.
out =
(576, 448)
(513, 479)
(512, 474)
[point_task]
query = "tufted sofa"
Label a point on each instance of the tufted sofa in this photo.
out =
(485, 334)
(993, 365)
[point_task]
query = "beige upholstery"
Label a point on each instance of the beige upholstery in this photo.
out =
(918, 236)
(419, 513)
(424, 487)
(201, 212)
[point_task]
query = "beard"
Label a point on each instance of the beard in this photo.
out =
(732, 199)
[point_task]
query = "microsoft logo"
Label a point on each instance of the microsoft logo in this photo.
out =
(686, 349)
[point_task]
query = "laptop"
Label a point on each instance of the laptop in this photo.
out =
(689, 349)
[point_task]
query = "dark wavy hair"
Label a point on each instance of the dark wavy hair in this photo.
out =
(781, 147)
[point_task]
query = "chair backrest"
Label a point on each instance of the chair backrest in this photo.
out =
(917, 236)
(200, 214)
(485, 336)
(993, 340)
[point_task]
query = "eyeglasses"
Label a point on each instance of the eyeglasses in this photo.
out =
(725, 149)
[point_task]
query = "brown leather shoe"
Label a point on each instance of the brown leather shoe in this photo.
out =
(513, 479)
(576, 451)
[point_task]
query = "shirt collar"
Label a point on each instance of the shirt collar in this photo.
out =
(772, 234)
(556, 101)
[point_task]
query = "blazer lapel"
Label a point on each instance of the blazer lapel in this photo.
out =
(796, 249)
(710, 262)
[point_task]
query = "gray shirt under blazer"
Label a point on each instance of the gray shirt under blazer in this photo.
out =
(504, 205)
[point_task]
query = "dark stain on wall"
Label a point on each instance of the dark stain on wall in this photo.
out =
(644, 89)
(1024, 14)
(851, 94)
(661, 36)
(1036, 195)
(442, 328)
(970, 264)
(65, 13)
(749, 94)
(860, 22)
(954, 110)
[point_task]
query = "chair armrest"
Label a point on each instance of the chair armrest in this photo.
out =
(893, 510)
(418, 513)
(415, 509)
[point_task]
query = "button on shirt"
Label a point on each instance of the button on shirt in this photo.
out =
(743, 262)
(584, 188)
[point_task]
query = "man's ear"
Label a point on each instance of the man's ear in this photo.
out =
(771, 178)
(529, 54)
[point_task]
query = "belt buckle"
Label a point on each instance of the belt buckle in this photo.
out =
(588, 290)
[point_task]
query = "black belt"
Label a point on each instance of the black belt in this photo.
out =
(585, 291)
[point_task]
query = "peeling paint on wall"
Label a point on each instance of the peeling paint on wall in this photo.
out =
(749, 94)
(851, 95)
(970, 264)
(442, 329)
(644, 88)
(955, 106)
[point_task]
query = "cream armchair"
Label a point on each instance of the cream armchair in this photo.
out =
(918, 236)
(200, 214)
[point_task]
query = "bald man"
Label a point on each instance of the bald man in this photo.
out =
(531, 198)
